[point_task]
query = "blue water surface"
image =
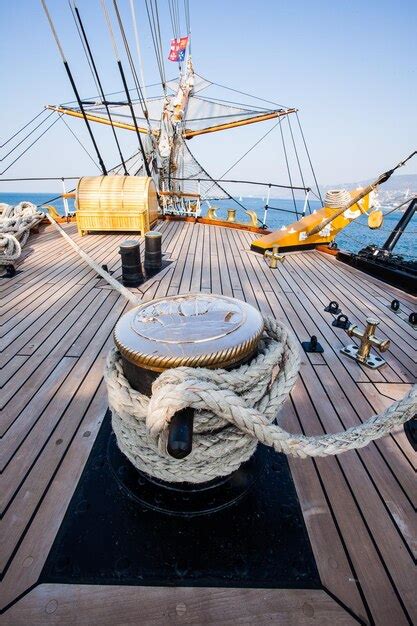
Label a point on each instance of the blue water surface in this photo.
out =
(356, 236)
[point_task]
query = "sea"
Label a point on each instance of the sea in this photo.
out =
(356, 236)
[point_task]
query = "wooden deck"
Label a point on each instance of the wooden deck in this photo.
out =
(359, 508)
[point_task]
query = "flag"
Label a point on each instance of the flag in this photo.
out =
(177, 49)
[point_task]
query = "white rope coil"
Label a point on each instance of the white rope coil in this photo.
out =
(16, 223)
(234, 411)
(336, 198)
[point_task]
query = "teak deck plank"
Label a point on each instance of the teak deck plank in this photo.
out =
(358, 508)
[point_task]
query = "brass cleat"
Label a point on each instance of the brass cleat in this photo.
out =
(368, 341)
(253, 218)
(273, 257)
(231, 215)
(211, 213)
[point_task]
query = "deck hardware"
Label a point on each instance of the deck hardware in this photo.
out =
(395, 305)
(211, 213)
(231, 215)
(153, 250)
(410, 429)
(10, 271)
(253, 218)
(273, 257)
(333, 307)
(132, 275)
(312, 346)
(105, 267)
(412, 318)
(341, 321)
(367, 342)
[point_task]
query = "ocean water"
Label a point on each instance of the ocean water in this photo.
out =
(356, 236)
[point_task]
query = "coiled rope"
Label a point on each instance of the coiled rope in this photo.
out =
(336, 198)
(16, 223)
(234, 412)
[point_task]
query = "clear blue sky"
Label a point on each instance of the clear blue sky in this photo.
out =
(350, 67)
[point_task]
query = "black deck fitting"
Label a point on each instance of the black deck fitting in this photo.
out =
(10, 271)
(341, 321)
(132, 275)
(313, 345)
(153, 250)
(180, 434)
(395, 305)
(410, 429)
(412, 318)
(333, 307)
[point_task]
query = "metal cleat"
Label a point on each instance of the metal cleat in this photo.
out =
(361, 353)
(231, 215)
(212, 213)
(273, 257)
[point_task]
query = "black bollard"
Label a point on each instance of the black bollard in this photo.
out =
(132, 275)
(153, 250)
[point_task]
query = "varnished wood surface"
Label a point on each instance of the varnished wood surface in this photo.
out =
(56, 323)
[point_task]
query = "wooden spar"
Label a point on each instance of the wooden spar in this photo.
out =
(259, 118)
(95, 118)
(180, 194)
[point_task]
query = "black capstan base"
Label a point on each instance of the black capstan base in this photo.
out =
(108, 536)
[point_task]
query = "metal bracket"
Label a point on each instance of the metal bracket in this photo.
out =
(312, 346)
(341, 321)
(372, 361)
(333, 307)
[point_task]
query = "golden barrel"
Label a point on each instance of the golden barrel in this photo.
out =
(116, 203)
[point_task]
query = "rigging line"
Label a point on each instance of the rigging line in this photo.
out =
(240, 105)
(130, 60)
(26, 136)
(80, 142)
(288, 169)
(10, 180)
(219, 186)
(23, 128)
(308, 155)
(114, 93)
(30, 145)
(83, 44)
(243, 93)
(138, 50)
(249, 182)
(160, 39)
(250, 150)
(98, 81)
(155, 45)
(73, 85)
(298, 160)
(55, 198)
(123, 77)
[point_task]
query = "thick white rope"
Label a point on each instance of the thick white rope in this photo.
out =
(336, 198)
(16, 223)
(234, 411)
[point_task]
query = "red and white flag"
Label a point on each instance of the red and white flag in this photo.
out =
(177, 49)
